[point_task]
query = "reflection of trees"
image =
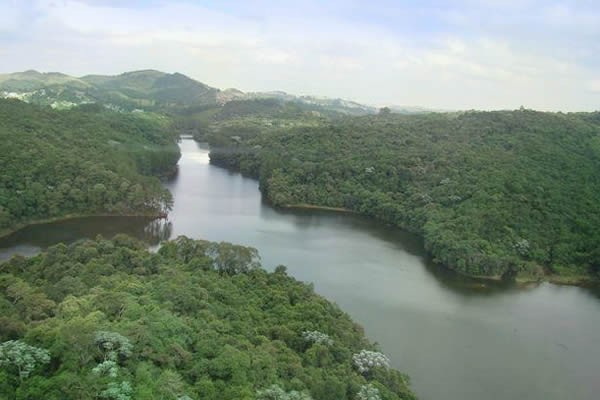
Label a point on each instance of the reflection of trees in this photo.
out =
(156, 231)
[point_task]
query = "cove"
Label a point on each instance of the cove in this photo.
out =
(457, 338)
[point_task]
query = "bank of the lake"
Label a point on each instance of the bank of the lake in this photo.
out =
(302, 206)
(525, 271)
(456, 337)
(521, 280)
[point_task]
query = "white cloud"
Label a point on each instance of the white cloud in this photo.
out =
(594, 85)
(423, 55)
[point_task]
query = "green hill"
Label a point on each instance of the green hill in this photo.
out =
(33, 80)
(107, 319)
(83, 161)
(498, 194)
(153, 88)
(148, 89)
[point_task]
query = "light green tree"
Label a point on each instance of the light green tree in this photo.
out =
(368, 392)
(115, 346)
(22, 357)
(275, 392)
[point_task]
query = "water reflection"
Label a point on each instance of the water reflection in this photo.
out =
(396, 240)
(32, 239)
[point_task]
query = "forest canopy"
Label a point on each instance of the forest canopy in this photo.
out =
(107, 319)
(87, 160)
(500, 194)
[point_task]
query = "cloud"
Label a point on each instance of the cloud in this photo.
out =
(468, 54)
(10, 15)
(594, 85)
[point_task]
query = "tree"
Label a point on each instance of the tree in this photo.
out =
(22, 357)
(114, 345)
(117, 391)
(69, 162)
(317, 337)
(233, 259)
(368, 392)
(197, 325)
(367, 360)
(275, 392)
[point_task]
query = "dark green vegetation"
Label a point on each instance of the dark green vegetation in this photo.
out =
(197, 320)
(83, 161)
(499, 194)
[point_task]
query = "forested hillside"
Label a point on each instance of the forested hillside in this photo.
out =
(147, 89)
(506, 193)
(106, 319)
(239, 120)
(150, 90)
(82, 161)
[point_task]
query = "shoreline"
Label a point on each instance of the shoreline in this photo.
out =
(524, 282)
(8, 232)
(579, 281)
(304, 206)
(576, 280)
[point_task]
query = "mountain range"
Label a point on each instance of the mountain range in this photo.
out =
(151, 90)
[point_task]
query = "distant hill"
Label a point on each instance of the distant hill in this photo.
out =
(414, 109)
(155, 90)
(147, 89)
(151, 87)
(330, 104)
(32, 80)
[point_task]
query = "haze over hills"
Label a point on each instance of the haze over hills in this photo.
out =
(127, 91)
(151, 89)
(32, 80)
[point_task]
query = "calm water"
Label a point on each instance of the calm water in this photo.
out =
(457, 339)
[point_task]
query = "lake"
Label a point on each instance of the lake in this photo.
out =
(458, 339)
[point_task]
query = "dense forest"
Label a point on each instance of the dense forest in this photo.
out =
(87, 160)
(499, 194)
(107, 319)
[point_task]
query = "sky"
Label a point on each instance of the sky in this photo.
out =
(461, 54)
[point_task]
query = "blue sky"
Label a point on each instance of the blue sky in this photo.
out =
(462, 54)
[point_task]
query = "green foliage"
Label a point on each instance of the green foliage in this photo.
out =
(22, 357)
(317, 337)
(82, 161)
(113, 344)
(233, 259)
(195, 320)
(275, 392)
(368, 392)
(149, 89)
(117, 391)
(501, 194)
